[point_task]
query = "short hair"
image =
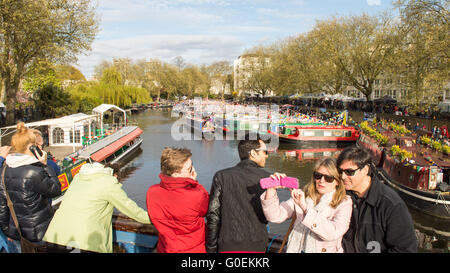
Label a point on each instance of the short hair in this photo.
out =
(358, 156)
(173, 159)
(250, 142)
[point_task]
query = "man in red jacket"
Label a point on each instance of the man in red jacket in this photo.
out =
(178, 204)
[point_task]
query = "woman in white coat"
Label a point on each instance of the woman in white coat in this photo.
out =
(323, 211)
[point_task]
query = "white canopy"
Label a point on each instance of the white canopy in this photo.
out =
(102, 108)
(63, 121)
(106, 107)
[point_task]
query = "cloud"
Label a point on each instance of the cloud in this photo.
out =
(195, 49)
(374, 2)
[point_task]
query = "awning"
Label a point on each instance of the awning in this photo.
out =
(115, 146)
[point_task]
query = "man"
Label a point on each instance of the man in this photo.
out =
(235, 219)
(178, 204)
(380, 220)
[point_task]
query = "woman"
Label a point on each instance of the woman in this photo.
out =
(178, 204)
(30, 183)
(322, 211)
(84, 218)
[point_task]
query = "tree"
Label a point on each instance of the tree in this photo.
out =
(179, 62)
(362, 47)
(423, 64)
(220, 71)
(256, 73)
(35, 30)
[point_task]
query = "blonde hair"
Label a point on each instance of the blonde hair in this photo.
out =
(339, 195)
(22, 138)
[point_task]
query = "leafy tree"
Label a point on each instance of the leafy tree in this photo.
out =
(52, 101)
(35, 30)
(422, 66)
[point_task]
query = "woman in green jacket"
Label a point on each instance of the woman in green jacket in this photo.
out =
(84, 218)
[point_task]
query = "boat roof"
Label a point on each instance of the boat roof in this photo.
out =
(62, 121)
(106, 107)
(116, 145)
(86, 152)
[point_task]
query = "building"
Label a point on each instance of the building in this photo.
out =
(243, 67)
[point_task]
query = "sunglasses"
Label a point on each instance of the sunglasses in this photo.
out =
(348, 172)
(264, 150)
(328, 178)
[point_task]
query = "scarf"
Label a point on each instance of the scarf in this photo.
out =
(301, 238)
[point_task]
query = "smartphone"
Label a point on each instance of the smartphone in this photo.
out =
(35, 150)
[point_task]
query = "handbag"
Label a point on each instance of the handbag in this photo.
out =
(26, 245)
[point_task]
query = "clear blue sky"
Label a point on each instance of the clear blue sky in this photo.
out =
(205, 31)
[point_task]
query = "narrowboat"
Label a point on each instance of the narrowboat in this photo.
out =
(312, 153)
(302, 133)
(417, 172)
(201, 126)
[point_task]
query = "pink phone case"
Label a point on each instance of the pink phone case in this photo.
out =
(269, 183)
(289, 182)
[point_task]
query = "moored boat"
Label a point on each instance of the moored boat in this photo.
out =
(416, 172)
(300, 133)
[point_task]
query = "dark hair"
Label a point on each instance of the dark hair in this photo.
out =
(173, 159)
(115, 167)
(358, 156)
(250, 142)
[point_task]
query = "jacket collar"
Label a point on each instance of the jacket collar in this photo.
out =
(169, 182)
(248, 163)
(372, 194)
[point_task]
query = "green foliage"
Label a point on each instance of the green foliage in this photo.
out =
(381, 139)
(53, 101)
(400, 153)
(425, 140)
(399, 129)
(445, 149)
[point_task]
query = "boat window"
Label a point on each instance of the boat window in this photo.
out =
(308, 133)
(58, 135)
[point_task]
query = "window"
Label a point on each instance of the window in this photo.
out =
(77, 136)
(58, 135)
(377, 94)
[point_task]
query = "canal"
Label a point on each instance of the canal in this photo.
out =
(142, 171)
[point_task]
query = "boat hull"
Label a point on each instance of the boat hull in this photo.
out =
(318, 134)
(432, 203)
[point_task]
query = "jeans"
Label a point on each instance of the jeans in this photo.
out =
(9, 245)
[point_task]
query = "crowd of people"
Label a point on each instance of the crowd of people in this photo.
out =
(344, 208)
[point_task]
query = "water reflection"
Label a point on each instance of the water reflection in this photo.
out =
(210, 156)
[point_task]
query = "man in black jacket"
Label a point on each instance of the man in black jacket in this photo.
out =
(235, 219)
(381, 222)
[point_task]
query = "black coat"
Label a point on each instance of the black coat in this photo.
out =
(29, 187)
(380, 223)
(235, 219)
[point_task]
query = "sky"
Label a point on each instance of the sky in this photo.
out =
(206, 31)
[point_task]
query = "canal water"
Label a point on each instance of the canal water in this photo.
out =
(142, 171)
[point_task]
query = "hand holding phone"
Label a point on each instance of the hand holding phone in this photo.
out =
(39, 154)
